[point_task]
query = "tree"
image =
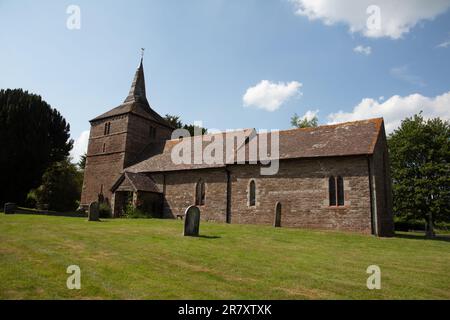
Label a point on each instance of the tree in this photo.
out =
(61, 187)
(176, 122)
(82, 162)
(304, 122)
(33, 136)
(420, 161)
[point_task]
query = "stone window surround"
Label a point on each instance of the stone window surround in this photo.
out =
(256, 194)
(205, 193)
(346, 188)
(107, 130)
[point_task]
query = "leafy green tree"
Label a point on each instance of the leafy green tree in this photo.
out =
(300, 123)
(174, 121)
(61, 187)
(82, 162)
(193, 130)
(178, 124)
(420, 161)
(33, 136)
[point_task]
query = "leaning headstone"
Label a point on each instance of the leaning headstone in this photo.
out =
(10, 208)
(94, 214)
(192, 222)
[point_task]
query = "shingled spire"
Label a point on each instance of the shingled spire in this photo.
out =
(137, 91)
(136, 102)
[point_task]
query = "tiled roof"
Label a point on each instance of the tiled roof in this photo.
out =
(140, 182)
(137, 108)
(158, 156)
(345, 139)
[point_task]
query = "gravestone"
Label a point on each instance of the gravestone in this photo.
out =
(10, 208)
(94, 214)
(192, 222)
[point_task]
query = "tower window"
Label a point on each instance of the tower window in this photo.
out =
(152, 132)
(104, 147)
(252, 194)
(336, 191)
(107, 128)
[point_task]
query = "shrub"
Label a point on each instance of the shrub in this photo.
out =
(32, 199)
(134, 213)
(402, 224)
(104, 210)
(410, 225)
(61, 187)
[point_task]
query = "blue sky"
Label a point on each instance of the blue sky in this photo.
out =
(203, 55)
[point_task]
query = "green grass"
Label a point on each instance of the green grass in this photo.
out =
(150, 259)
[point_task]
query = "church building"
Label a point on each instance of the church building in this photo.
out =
(333, 177)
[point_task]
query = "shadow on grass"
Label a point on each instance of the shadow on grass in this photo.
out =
(415, 236)
(208, 237)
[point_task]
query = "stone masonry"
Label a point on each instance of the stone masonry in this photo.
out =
(129, 159)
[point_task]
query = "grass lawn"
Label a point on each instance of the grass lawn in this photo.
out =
(149, 259)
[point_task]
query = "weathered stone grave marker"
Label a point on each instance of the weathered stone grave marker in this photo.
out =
(192, 222)
(94, 214)
(10, 208)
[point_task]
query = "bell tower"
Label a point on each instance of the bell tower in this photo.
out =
(117, 137)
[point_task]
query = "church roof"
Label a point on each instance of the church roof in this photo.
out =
(157, 156)
(136, 102)
(345, 139)
(138, 182)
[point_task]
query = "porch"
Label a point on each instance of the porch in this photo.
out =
(138, 191)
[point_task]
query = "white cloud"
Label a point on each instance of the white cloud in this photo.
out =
(396, 108)
(310, 114)
(397, 17)
(403, 73)
(363, 50)
(444, 44)
(271, 96)
(80, 146)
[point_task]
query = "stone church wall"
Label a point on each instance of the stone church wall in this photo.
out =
(301, 187)
(180, 188)
(383, 187)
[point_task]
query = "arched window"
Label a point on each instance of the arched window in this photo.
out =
(336, 191)
(200, 193)
(252, 194)
(278, 215)
(107, 128)
(340, 191)
(332, 191)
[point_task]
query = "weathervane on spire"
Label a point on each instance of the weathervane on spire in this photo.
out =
(142, 53)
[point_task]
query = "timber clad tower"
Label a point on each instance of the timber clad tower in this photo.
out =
(333, 177)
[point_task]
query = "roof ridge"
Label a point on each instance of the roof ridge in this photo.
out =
(212, 134)
(377, 121)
